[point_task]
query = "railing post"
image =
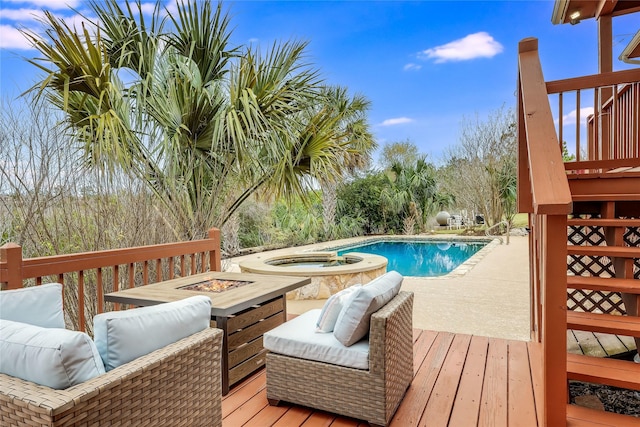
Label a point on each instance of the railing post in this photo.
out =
(10, 266)
(215, 261)
(554, 319)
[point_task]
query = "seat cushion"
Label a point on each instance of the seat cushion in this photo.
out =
(35, 305)
(354, 319)
(53, 357)
(122, 336)
(298, 338)
(332, 308)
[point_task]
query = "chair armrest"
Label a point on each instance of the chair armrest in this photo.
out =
(391, 335)
(167, 383)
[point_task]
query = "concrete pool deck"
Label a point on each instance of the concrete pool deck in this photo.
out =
(489, 299)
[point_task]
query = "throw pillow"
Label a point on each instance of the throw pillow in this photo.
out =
(332, 308)
(354, 319)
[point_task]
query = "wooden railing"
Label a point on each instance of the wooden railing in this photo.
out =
(612, 130)
(88, 276)
(543, 192)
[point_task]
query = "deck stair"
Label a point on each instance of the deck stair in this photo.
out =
(611, 217)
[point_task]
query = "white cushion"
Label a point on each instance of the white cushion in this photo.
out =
(297, 338)
(354, 319)
(332, 308)
(122, 336)
(53, 357)
(35, 305)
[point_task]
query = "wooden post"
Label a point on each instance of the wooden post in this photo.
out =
(554, 319)
(215, 261)
(11, 270)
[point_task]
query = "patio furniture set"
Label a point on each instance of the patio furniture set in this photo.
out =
(163, 362)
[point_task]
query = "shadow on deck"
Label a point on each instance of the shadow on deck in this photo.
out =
(459, 380)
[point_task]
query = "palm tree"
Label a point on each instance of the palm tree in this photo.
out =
(204, 124)
(410, 192)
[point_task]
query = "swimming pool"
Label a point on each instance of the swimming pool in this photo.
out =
(420, 258)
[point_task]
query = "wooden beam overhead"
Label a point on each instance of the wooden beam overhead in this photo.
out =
(587, 9)
(605, 7)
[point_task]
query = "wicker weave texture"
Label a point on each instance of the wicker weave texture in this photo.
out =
(372, 395)
(178, 385)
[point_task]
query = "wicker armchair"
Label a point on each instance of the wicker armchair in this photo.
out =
(373, 395)
(177, 385)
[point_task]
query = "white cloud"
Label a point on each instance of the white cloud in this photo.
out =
(11, 38)
(254, 40)
(21, 14)
(49, 4)
(396, 121)
(148, 8)
(570, 118)
(412, 67)
(477, 45)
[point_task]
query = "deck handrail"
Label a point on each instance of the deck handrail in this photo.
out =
(543, 192)
(539, 150)
(593, 81)
(87, 272)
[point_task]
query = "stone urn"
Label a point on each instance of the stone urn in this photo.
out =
(442, 217)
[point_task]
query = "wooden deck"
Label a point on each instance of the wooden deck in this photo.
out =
(597, 344)
(460, 380)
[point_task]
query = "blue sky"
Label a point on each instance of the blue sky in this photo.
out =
(425, 66)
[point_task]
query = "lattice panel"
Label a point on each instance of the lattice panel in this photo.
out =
(632, 238)
(596, 301)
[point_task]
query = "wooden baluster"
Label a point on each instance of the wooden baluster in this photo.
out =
(578, 125)
(171, 267)
(81, 319)
(158, 270)
(182, 274)
(99, 290)
(193, 264)
(116, 284)
(131, 275)
(145, 273)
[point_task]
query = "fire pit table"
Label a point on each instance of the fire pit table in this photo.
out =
(243, 305)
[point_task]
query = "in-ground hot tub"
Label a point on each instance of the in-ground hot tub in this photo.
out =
(329, 272)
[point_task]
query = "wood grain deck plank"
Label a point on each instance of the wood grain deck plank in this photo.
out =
(493, 410)
(444, 391)
(269, 415)
(589, 344)
(319, 419)
(412, 407)
(246, 411)
(243, 392)
(535, 362)
(295, 416)
(421, 348)
(467, 405)
(522, 407)
(611, 344)
(573, 346)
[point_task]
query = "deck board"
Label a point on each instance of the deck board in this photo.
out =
(598, 344)
(460, 380)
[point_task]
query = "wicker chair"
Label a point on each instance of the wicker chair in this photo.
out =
(373, 395)
(177, 385)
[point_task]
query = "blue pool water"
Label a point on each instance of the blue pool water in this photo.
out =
(420, 258)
